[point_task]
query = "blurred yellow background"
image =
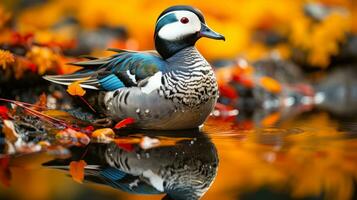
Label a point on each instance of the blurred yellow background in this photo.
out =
(238, 20)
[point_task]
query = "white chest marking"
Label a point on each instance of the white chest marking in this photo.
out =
(155, 180)
(154, 83)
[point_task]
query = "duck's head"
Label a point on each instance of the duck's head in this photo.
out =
(179, 27)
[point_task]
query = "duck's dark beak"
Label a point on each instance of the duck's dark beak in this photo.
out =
(209, 33)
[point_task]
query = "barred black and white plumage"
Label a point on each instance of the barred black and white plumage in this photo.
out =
(174, 88)
(192, 81)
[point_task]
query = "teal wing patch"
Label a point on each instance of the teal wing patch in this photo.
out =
(124, 69)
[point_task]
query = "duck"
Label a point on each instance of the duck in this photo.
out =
(171, 88)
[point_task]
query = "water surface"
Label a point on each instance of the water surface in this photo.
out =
(312, 156)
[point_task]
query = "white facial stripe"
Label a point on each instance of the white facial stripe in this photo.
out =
(177, 30)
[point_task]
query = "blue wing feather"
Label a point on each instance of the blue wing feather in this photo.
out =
(112, 173)
(111, 73)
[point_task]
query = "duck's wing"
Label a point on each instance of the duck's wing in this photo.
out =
(124, 69)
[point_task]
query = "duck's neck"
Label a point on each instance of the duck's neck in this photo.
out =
(186, 56)
(169, 48)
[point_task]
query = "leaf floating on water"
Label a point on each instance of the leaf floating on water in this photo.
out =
(75, 89)
(124, 123)
(103, 134)
(76, 169)
(148, 143)
(9, 131)
(126, 146)
(126, 143)
(72, 137)
(5, 174)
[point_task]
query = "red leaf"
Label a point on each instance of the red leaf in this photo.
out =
(126, 146)
(88, 129)
(228, 91)
(76, 169)
(4, 112)
(124, 123)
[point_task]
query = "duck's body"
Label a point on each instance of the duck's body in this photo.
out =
(179, 97)
(176, 89)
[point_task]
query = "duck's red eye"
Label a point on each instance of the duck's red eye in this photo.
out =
(184, 20)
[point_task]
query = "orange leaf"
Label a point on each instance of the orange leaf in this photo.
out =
(9, 131)
(72, 137)
(103, 134)
(76, 169)
(41, 103)
(75, 89)
(270, 84)
(124, 122)
(271, 119)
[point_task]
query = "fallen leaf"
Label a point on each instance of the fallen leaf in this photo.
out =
(124, 123)
(70, 136)
(75, 89)
(148, 143)
(76, 169)
(103, 134)
(228, 91)
(4, 112)
(9, 131)
(6, 57)
(270, 84)
(41, 103)
(126, 146)
(88, 129)
(271, 119)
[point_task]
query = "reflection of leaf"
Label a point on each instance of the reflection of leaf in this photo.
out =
(5, 173)
(76, 169)
(124, 122)
(75, 89)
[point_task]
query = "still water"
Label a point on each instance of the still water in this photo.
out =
(311, 156)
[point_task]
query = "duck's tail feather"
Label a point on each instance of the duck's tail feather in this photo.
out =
(87, 80)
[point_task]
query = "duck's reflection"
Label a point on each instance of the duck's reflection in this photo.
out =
(184, 170)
